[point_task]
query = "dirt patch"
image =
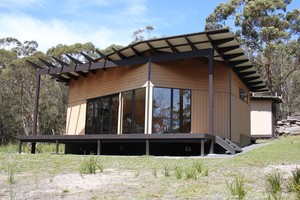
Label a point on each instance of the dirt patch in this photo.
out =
(67, 186)
(286, 170)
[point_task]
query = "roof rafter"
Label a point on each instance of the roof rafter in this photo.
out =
(193, 47)
(88, 58)
(50, 65)
(232, 56)
(119, 53)
(102, 55)
(64, 64)
(136, 52)
(153, 50)
(222, 41)
(226, 49)
(74, 60)
(238, 62)
(174, 50)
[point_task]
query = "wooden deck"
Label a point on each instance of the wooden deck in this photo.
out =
(147, 139)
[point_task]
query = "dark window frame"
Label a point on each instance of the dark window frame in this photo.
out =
(172, 107)
(243, 95)
(133, 111)
(93, 101)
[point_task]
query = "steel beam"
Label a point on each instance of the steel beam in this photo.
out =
(36, 103)
(211, 91)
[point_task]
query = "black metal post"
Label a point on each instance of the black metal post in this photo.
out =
(147, 147)
(33, 147)
(202, 147)
(20, 147)
(211, 149)
(36, 103)
(211, 91)
(57, 147)
(98, 147)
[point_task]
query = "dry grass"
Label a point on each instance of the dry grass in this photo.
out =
(49, 176)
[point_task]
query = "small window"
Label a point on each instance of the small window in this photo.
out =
(243, 95)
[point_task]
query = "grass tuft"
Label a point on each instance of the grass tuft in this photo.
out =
(190, 173)
(198, 166)
(294, 185)
(237, 188)
(166, 171)
(90, 165)
(178, 172)
(10, 174)
(154, 172)
(274, 185)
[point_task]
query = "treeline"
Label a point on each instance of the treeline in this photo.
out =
(18, 87)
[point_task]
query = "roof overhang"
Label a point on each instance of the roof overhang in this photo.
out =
(226, 49)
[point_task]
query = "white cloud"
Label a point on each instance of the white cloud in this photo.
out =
(80, 22)
(52, 32)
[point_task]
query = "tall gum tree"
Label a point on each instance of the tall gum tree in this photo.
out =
(269, 34)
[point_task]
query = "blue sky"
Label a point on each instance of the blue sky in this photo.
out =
(102, 22)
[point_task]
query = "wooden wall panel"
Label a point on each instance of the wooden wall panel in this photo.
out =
(200, 111)
(76, 113)
(261, 117)
(189, 74)
(240, 113)
(222, 114)
(109, 81)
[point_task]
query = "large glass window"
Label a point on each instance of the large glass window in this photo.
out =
(102, 115)
(171, 111)
(133, 111)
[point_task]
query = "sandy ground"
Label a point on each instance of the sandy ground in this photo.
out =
(122, 184)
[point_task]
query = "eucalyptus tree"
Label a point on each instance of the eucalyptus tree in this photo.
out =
(270, 35)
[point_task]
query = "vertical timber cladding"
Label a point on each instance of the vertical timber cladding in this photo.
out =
(240, 113)
(104, 82)
(193, 74)
(261, 117)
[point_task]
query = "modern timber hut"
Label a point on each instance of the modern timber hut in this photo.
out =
(263, 115)
(177, 95)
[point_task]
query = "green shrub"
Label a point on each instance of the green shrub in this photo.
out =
(237, 188)
(274, 184)
(90, 165)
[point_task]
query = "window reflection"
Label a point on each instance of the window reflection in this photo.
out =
(102, 115)
(133, 111)
(171, 111)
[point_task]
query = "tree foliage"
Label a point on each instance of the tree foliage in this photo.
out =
(138, 35)
(18, 88)
(270, 36)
